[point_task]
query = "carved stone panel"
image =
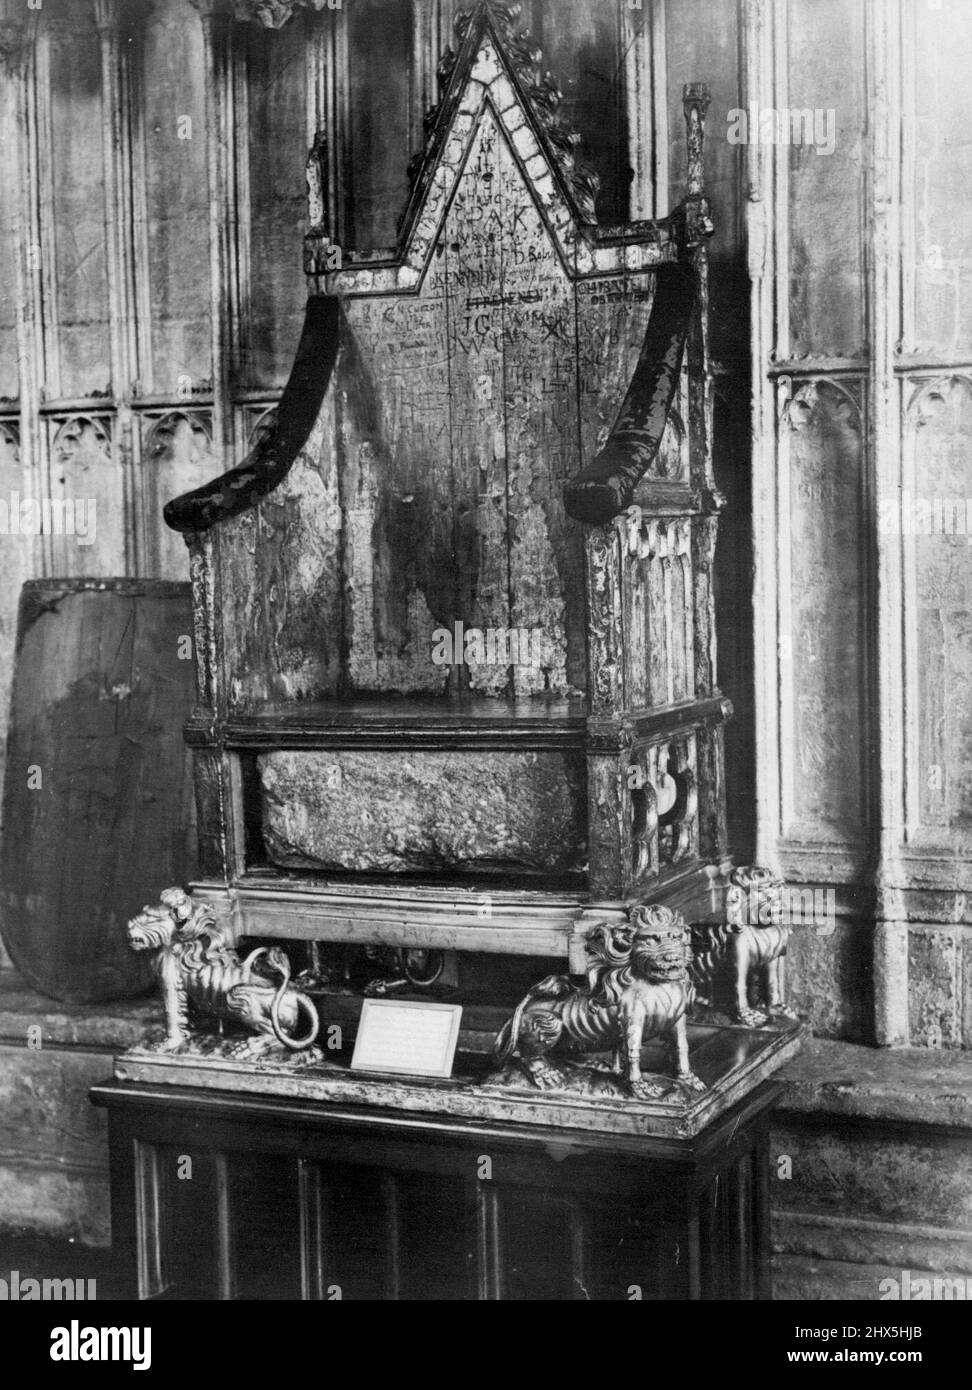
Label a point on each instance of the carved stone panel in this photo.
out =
(823, 153)
(175, 304)
(85, 531)
(177, 456)
(941, 212)
(277, 123)
(74, 262)
(936, 519)
(9, 374)
(9, 457)
(14, 553)
(257, 423)
(822, 634)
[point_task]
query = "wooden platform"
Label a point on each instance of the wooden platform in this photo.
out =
(295, 1198)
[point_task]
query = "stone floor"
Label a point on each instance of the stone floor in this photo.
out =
(880, 1173)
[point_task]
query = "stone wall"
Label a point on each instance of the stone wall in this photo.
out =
(871, 1171)
(53, 1142)
(859, 250)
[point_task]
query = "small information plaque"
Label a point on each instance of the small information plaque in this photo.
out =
(407, 1037)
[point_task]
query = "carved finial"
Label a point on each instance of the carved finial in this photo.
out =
(540, 93)
(316, 172)
(695, 103)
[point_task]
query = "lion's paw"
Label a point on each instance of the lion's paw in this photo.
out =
(254, 1047)
(643, 1089)
(173, 1044)
(691, 1082)
(546, 1078)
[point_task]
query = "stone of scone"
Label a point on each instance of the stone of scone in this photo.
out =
(392, 813)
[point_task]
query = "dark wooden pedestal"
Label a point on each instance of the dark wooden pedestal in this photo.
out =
(228, 1196)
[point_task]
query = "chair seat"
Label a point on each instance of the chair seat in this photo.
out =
(395, 721)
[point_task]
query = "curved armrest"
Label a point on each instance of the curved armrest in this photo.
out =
(266, 466)
(606, 487)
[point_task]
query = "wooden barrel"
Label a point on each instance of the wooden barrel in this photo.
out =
(97, 807)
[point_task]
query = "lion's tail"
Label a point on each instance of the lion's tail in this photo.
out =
(278, 961)
(553, 987)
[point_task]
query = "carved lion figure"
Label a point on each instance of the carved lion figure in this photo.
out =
(637, 988)
(746, 951)
(199, 973)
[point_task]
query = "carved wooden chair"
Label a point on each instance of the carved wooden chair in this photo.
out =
(454, 615)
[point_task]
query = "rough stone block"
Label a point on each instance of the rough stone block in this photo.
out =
(53, 1142)
(828, 979)
(875, 1173)
(857, 1241)
(796, 1277)
(934, 996)
(396, 813)
(53, 1145)
(71, 1204)
(879, 1162)
(44, 1103)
